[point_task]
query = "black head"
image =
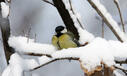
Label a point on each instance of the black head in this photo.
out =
(59, 29)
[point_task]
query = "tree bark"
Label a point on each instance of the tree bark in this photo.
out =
(108, 72)
(5, 30)
(66, 17)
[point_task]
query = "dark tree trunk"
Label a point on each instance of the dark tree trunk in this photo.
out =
(66, 17)
(5, 31)
(2, 0)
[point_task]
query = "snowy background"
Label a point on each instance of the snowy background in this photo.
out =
(43, 18)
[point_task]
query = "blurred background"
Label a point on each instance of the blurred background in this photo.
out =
(42, 18)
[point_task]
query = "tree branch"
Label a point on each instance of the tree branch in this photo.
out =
(53, 60)
(121, 18)
(68, 21)
(5, 30)
(35, 54)
(109, 24)
(121, 62)
(74, 14)
(102, 29)
(125, 71)
(48, 2)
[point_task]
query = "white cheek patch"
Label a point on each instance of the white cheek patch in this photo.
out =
(64, 31)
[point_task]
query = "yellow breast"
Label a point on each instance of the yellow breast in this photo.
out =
(65, 41)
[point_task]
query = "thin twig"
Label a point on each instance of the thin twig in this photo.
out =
(48, 2)
(102, 28)
(37, 54)
(28, 34)
(35, 37)
(53, 60)
(125, 23)
(71, 7)
(23, 73)
(125, 71)
(23, 32)
(121, 18)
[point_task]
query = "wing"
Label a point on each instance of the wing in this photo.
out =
(55, 42)
(73, 38)
(65, 41)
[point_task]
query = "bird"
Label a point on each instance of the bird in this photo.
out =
(64, 39)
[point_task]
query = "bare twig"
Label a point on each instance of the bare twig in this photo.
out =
(23, 32)
(28, 36)
(53, 60)
(102, 29)
(125, 22)
(75, 14)
(37, 54)
(35, 37)
(121, 18)
(48, 2)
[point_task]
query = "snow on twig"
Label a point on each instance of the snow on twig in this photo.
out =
(84, 36)
(101, 10)
(79, 20)
(121, 18)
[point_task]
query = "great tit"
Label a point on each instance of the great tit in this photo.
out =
(64, 39)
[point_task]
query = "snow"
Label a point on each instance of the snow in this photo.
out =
(91, 55)
(98, 51)
(84, 35)
(25, 45)
(43, 59)
(18, 65)
(110, 19)
(117, 73)
(5, 10)
(90, 63)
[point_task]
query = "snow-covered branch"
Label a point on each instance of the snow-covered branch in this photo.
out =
(77, 16)
(119, 10)
(21, 45)
(90, 56)
(5, 27)
(122, 69)
(53, 60)
(101, 10)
